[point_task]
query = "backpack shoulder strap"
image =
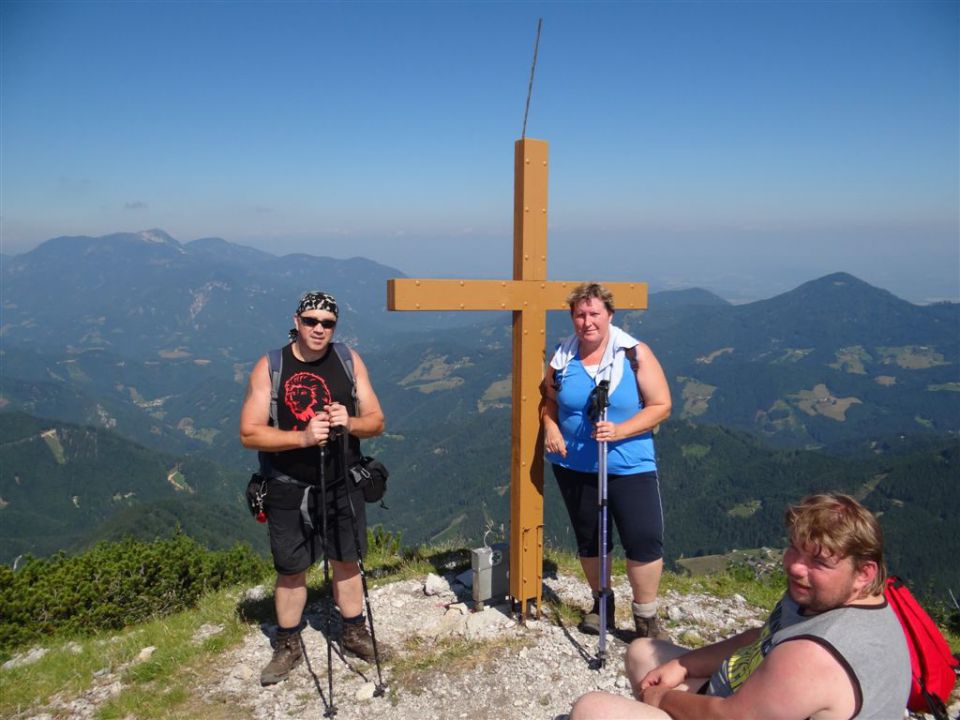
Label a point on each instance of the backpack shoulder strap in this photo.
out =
(275, 366)
(346, 360)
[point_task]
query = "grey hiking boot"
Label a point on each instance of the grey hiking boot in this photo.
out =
(357, 641)
(590, 625)
(649, 628)
(287, 654)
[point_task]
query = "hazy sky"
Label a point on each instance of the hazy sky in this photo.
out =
(741, 146)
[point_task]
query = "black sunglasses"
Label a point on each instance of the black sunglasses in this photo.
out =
(313, 322)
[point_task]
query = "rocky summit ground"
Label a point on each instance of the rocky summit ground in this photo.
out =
(451, 659)
(455, 660)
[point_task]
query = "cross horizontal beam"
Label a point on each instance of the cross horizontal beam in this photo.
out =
(412, 294)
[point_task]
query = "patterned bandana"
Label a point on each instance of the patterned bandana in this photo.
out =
(318, 301)
(315, 301)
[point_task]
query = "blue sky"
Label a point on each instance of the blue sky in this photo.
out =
(741, 146)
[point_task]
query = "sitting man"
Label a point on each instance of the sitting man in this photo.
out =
(831, 648)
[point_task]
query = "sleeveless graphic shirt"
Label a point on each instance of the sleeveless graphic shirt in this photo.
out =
(305, 388)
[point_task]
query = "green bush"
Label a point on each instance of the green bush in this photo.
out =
(113, 585)
(382, 544)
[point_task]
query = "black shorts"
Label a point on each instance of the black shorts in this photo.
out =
(632, 500)
(294, 545)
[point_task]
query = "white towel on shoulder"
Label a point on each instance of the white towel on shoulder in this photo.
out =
(611, 364)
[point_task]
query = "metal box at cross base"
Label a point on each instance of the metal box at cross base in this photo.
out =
(491, 572)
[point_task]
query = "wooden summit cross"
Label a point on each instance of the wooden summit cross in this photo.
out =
(529, 295)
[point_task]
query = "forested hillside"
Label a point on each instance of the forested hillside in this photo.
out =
(121, 416)
(64, 487)
(68, 487)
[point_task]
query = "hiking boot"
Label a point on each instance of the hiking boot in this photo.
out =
(287, 654)
(649, 628)
(357, 641)
(590, 625)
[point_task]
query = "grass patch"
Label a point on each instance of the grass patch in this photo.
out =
(792, 355)
(496, 395)
(56, 449)
(852, 359)
(696, 397)
(451, 530)
(695, 451)
(945, 387)
(158, 687)
(561, 561)
(912, 357)
(703, 564)
(560, 612)
(821, 401)
(736, 580)
(744, 510)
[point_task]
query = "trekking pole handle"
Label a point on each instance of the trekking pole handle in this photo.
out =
(603, 396)
(599, 401)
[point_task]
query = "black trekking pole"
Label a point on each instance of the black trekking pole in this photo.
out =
(331, 708)
(344, 439)
(601, 399)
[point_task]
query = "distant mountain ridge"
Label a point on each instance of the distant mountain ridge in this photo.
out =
(155, 338)
(833, 358)
(204, 298)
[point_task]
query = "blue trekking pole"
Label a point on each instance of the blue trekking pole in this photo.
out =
(601, 399)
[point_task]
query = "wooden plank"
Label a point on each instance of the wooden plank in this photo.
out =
(530, 209)
(529, 327)
(526, 476)
(428, 294)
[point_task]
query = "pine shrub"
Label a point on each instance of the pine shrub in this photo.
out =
(113, 585)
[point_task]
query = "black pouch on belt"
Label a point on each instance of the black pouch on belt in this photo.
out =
(370, 477)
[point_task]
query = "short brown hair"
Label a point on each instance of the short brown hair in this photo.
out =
(839, 525)
(588, 291)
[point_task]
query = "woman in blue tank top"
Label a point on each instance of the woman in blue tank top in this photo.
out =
(639, 399)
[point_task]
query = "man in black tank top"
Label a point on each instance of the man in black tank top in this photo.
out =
(315, 401)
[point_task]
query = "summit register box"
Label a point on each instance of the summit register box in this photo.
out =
(490, 572)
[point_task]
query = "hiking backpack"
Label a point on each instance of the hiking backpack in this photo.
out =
(932, 666)
(275, 366)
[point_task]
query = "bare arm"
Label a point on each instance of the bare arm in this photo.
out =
(654, 391)
(553, 441)
(255, 430)
(798, 679)
(700, 663)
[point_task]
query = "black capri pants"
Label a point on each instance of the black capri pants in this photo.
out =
(632, 500)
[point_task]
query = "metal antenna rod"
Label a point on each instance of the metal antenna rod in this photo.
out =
(533, 67)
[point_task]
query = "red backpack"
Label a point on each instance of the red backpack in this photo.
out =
(932, 664)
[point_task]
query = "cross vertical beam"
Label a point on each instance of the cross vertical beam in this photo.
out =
(529, 336)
